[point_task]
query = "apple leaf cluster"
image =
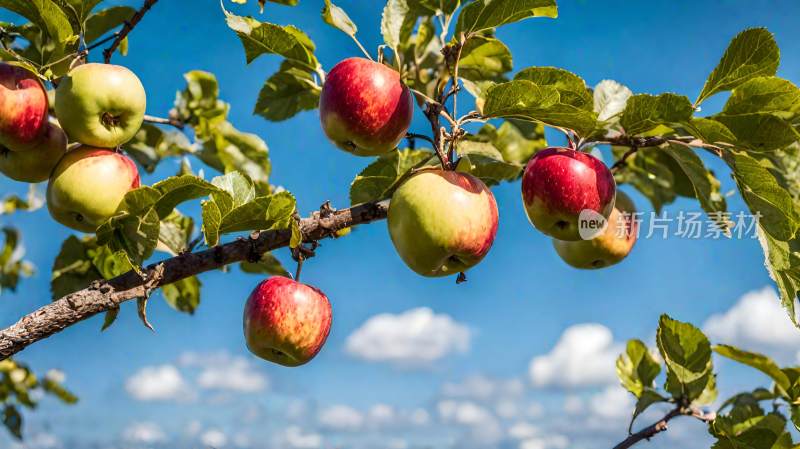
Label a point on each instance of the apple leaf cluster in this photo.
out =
(751, 419)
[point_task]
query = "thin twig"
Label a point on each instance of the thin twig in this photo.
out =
(165, 121)
(661, 425)
(127, 28)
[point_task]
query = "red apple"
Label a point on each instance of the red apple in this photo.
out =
(560, 183)
(442, 222)
(286, 322)
(23, 108)
(36, 164)
(365, 108)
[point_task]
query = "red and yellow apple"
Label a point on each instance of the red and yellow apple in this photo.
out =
(559, 184)
(100, 105)
(365, 108)
(286, 322)
(23, 108)
(442, 222)
(611, 247)
(88, 186)
(35, 164)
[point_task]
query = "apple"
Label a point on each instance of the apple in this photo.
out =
(442, 222)
(608, 248)
(286, 322)
(559, 184)
(100, 105)
(365, 108)
(23, 108)
(88, 186)
(36, 164)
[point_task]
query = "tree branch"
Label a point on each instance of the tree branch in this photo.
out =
(129, 26)
(105, 295)
(661, 425)
(165, 121)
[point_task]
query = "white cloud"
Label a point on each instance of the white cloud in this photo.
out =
(545, 442)
(523, 430)
(756, 321)
(157, 383)
(237, 374)
(39, 441)
(214, 438)
(420, 417)
(483, 388)
(341, 417)
(297, 439)
(573, 405)
(613, 402)
(483, 426)
(417, 337)
(585, 355)
(144, 433)
(382, 415)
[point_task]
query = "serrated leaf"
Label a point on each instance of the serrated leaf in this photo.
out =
(770, 95)
(516, 140)
(379, 179)
(752, 53)
(650, 173)
(260, 38)
(637, 369)
(610, 99)
(393, 23)
(485, 162)
(484, 14)
(782, 261)
(687, 354)
(179, 189)
(267, 264)
(647, 398)
(760, 132)
(764, 196)
(72, 268)
(710, 131)
(49, 18)
(706, 186)
(260, 213)
(287, 92)
(644, 113)
(758, 361)
(184, 295)
(528, 101)
(135, 229)
(484, 58)
(572, 89)
(238, 151)
(337, 18)
(175, 233)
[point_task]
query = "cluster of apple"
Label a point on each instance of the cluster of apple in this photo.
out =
(441, 222)
(98, 107)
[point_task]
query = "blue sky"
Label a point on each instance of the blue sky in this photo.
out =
(459, 357)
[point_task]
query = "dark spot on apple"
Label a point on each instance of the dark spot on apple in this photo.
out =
(562, 224)
(108, 119)
(454, 260)
(277, 352)
(79, 218)
(350, 145)
(598, 263)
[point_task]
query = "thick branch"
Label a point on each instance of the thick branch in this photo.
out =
(129, 26)
(105, 295)
(661, 425)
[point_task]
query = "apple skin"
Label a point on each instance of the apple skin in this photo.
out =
(558, 184)
(442, 222)
(100, 105)
(365, 108)
(36, 164)
(23, 108)
(609, 248)
(286, 322)
(88, 186)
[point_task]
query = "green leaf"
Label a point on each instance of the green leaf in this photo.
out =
(572, 89)
(759, 432)
(260, 38)
(650, 173)
(133, 231)
(13, 421)
(484, 161)
(380, 178)
(526, 100)
(647, 398)
(758, 361)
(752, 53)
(337, 18)
(645, 113)
(771, 95)
(56, 389)
(268, 264)
(484, 58)
(237, 151)
(101, 22)
(393, 24)
(687, 354)
(710, 131)
(706, 185)
(179, 189)
(73, 269)
(764, 196)
(110, 317)
(484, 14)
(287, 92)
(152, 144)
(184, 295)
(175, 233)
(13, 203)
(760, 132)
(782, 260)
(637, 368)
(49, 18)
(516, 140)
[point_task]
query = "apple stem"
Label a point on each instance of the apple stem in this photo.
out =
(299, 268)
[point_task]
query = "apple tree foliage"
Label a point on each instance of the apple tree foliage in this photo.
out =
(441, 48)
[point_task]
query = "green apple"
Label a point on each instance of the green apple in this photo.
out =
(442, 222)
(88, 186)
(100, 105)
(36, 164)
(609, 247)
